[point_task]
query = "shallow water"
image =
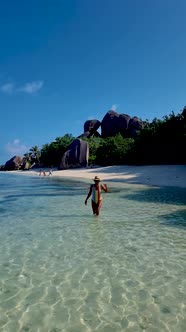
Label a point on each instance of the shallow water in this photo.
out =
(63, 269)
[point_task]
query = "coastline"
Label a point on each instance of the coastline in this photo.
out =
(153, 175)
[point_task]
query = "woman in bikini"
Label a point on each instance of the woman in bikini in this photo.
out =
(95, 191)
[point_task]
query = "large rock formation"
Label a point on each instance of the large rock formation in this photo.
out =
(113, 124)
(76, 156)
(135, 125)
(123, 124)
(90, 128)
(110, 124)
(89, 134)
(92, 125)
(14, 163)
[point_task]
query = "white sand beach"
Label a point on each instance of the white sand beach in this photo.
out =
(153, 175)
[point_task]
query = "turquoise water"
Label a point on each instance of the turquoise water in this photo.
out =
(63, 269)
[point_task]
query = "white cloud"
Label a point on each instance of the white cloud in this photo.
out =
(16, 147)
(7, 88)
(114, 107)
(31, 87)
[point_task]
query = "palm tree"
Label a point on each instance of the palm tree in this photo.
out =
(26, 161)
(35, 153)
(27, 156)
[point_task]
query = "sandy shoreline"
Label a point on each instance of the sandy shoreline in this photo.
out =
(156, 175)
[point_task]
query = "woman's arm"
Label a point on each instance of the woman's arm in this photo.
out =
(104, 187)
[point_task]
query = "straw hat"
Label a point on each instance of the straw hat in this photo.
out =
(97, 178)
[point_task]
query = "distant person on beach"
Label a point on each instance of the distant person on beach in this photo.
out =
(50, 172)
(44, 173)
(95, 191)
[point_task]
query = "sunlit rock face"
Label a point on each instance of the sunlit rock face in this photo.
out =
(76, 156)
(14, 163)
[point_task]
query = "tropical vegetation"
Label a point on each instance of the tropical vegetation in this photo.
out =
(160, 142)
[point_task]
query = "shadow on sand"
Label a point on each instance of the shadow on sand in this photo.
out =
(177, 219)
(142, 174)
(163, 195)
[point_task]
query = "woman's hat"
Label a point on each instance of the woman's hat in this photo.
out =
(97, 178)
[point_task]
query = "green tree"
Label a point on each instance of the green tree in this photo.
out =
(35, 153)
(114, 150)
(94, 143)
(161, 142)
(27, 160)
(51, 154)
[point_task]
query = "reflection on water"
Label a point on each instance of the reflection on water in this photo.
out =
(62, 269)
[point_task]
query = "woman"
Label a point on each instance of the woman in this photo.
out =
(95, 191)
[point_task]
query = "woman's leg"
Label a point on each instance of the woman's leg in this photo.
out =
(99, 205)
(94, 206)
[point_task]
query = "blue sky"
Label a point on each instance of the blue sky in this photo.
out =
(65, 61)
